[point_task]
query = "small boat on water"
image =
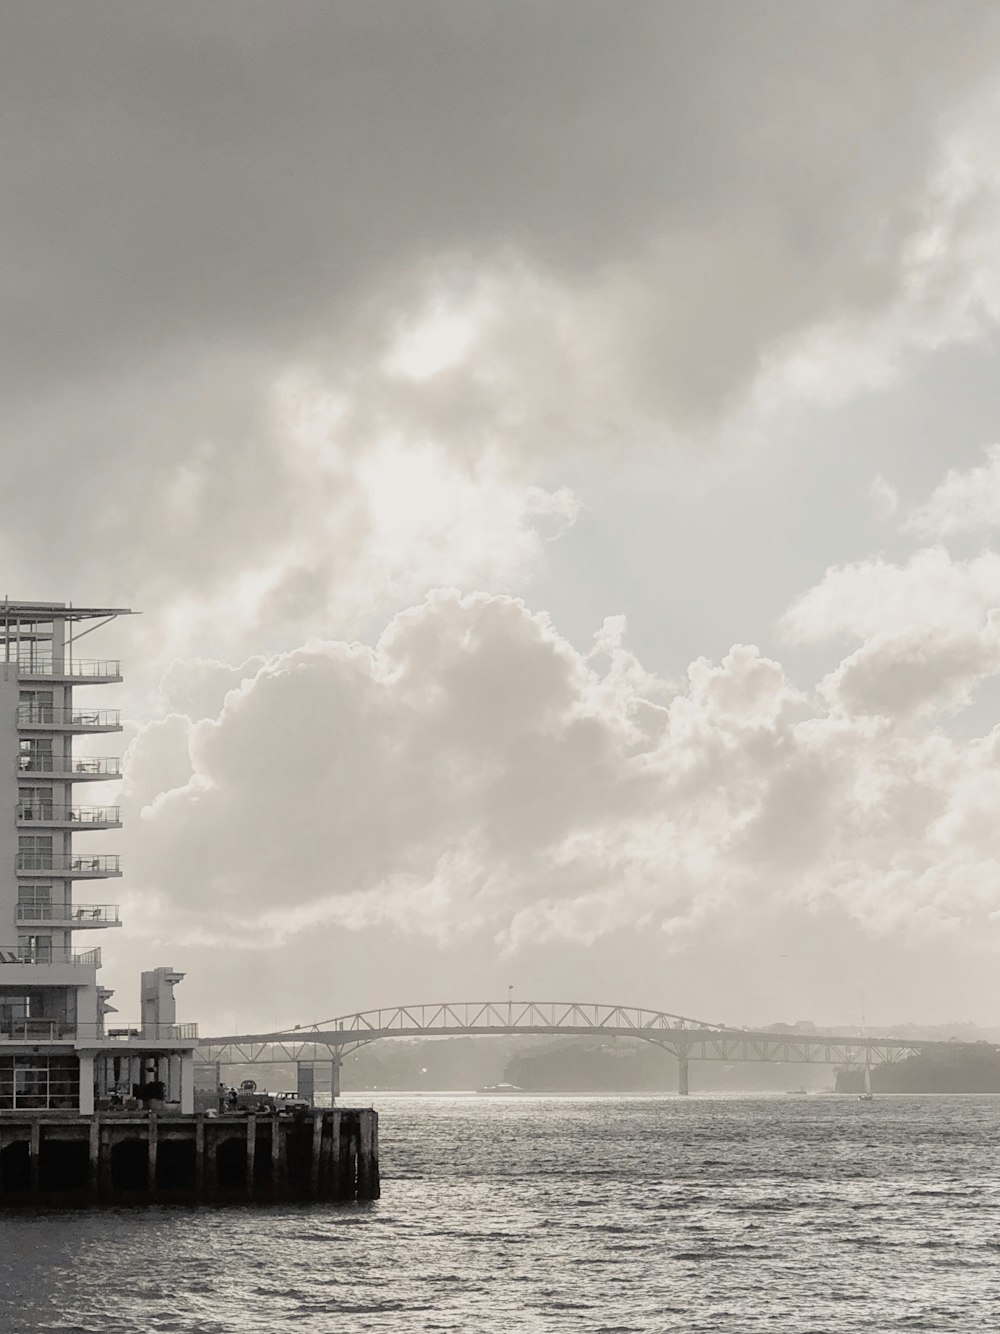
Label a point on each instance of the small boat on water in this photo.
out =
(500, 1089)
(867, 1095)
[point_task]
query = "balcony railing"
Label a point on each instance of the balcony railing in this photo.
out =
(45, 812)
(36, 1030)
(76, 720)
(87, 766)
(46, 954)
(83, 913)
(103, 668)
(137, 1032)
(68, 863)
(52, 1030)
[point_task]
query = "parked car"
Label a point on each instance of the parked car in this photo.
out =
(289, 1102)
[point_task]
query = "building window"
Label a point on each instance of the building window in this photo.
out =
(39, 1083)
(36, 706)
(34, 903)
(13, 1014)
(35, 803)
(34, 852)
(35, 949)
(36, 755)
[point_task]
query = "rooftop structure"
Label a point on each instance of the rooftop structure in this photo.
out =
(59, 1049)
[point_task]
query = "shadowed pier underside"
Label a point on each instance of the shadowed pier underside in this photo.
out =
(116, 1159)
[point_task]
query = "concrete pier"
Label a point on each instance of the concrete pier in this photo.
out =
(683, 1074)
(117, 1158)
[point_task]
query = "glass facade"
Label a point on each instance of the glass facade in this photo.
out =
(39, 1083)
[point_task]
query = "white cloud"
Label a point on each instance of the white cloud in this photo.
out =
(944, 291)
(966, 501)
(884, 498)
(472, 775)
(197, 687)
(932, 590)
(906, 673)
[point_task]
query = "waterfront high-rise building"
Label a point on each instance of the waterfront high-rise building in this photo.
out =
(62, 1046)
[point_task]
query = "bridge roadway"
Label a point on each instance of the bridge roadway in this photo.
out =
(687, 1039)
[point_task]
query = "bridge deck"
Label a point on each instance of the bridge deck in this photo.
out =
(688, 1039)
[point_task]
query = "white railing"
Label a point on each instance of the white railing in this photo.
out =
(47, 715)
(92, 667)
(46, 812)
(137, 1032)
(69, 912)
(35, 1030)
(69, 863)
(52, 1030)
(39, 763)
(39, 953)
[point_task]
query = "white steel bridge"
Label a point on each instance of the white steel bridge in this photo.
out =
(687, 1039)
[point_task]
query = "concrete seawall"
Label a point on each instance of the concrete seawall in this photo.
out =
(117, 1158)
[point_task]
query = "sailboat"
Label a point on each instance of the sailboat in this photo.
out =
(867, 1095)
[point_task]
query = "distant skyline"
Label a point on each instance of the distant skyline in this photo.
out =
(555, 448)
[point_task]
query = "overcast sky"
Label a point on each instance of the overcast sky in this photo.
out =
(554, 447)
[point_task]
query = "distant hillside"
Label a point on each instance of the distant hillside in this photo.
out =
(580, 1065)
(586, 1067)
(973, 1068)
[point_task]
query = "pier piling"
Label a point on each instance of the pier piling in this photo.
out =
(115, 1158)
(682, 1075)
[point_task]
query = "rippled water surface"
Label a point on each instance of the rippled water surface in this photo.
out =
(634, 1214)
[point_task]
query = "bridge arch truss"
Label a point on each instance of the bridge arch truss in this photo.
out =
(688, 1039)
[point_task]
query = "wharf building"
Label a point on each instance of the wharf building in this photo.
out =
(62, 1047)
(96, 1109)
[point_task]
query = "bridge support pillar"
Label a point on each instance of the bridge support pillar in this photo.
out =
(305, 1080)
(336, 1061)
(682, 1074)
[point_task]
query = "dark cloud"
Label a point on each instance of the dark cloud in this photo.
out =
(197, 197)
(189, 174)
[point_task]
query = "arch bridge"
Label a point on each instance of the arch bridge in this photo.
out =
(686, 1038)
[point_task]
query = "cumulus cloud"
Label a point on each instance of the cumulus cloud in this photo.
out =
(914, 672)
(929, 627)
(197, 687)
(932, 590)
(326, 524)
(966, 501)
(472, 775)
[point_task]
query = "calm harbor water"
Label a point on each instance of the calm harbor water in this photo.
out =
(605, 1215)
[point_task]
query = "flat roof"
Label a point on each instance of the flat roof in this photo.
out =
(27, 613)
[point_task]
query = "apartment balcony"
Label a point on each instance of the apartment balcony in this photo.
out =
(46, 815)
(68, 865)
(46, 718)
(44, 955)
(69, 917)
(93, 671)
(86, 769)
